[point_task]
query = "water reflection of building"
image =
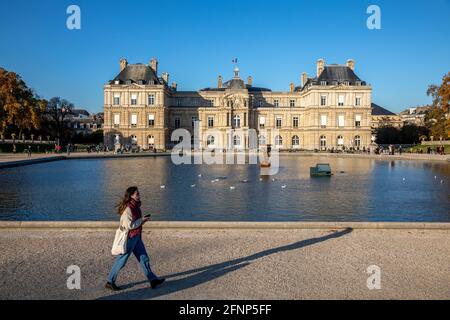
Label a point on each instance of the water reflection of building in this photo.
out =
(332, 109)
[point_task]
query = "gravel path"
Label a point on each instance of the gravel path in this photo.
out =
(232, 264)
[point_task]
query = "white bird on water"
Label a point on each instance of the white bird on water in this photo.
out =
(283, 186)
(162, 187)
(192, 185)
(232, 187)
(200, 175)
(404, 179)
(435, 177)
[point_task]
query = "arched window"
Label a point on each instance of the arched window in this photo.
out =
(323, 142)
(261, 140)
(210, 140)
(340, 140)
(295, 141)
(237, 121)
(134, 139)
(237, 140)
(278, 141)
(357, 141)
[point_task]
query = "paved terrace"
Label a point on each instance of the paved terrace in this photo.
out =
(231, 260)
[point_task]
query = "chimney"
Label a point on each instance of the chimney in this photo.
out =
(291, 87)
(304, 78)
(165, 77)
(351, 64)
(320, 66)
(174, 86)
(250, 80)
(154, 65)
(123, 63)
(219, 82)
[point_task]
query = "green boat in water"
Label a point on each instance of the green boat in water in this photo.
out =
(321, 170)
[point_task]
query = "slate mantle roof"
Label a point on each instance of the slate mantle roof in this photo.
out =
(137, 73)
(236, 84)
(380, 111)
(333, 75)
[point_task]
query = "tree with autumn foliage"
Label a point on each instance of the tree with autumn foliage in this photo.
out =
(20, 108)
(438, 118)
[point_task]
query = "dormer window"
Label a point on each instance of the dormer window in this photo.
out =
(347, 83)
(128, 82)
(117, 82)
(323, 83)
(358, 83)
(276, 103)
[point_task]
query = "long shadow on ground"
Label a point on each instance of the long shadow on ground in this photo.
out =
(204, 274)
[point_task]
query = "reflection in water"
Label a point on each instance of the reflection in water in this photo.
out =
(360, 190)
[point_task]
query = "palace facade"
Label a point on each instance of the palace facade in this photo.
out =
(332, 109)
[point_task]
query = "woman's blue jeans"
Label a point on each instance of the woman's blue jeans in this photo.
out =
(135, 246)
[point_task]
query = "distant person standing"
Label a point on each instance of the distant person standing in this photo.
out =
(131, 221)
(14, 148)
(29, 151)
(68, 149)
(400, 149)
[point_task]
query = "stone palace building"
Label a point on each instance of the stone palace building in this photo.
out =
(332, 109)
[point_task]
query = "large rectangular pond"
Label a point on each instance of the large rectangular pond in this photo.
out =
(360, 190)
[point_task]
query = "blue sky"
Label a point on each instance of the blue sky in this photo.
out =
(195, 41)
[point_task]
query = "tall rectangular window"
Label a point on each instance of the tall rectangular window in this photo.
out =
(151, 120)
(211, 102)
(276, 103)
(134, 120)
(262, 122)
(116, 120)
(210, 122)
(323, 120)
(292, 103)
(193, 120)
(341, 99)
(228, 119)
(134, 99)
(295, 122)
(151, 99)
(245, 119)
(116, 99)
(358, 120)
(341, 120)
(323, 100)
(278, 122)
(357, 101)
(177, 122)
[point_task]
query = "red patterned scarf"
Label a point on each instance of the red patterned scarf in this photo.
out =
(135, 207)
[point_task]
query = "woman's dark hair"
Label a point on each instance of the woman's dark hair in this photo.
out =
(126, 199)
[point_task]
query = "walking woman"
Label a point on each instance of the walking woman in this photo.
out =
(131, 220)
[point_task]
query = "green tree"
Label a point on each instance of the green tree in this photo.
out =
(411, 133)
(387, 135)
